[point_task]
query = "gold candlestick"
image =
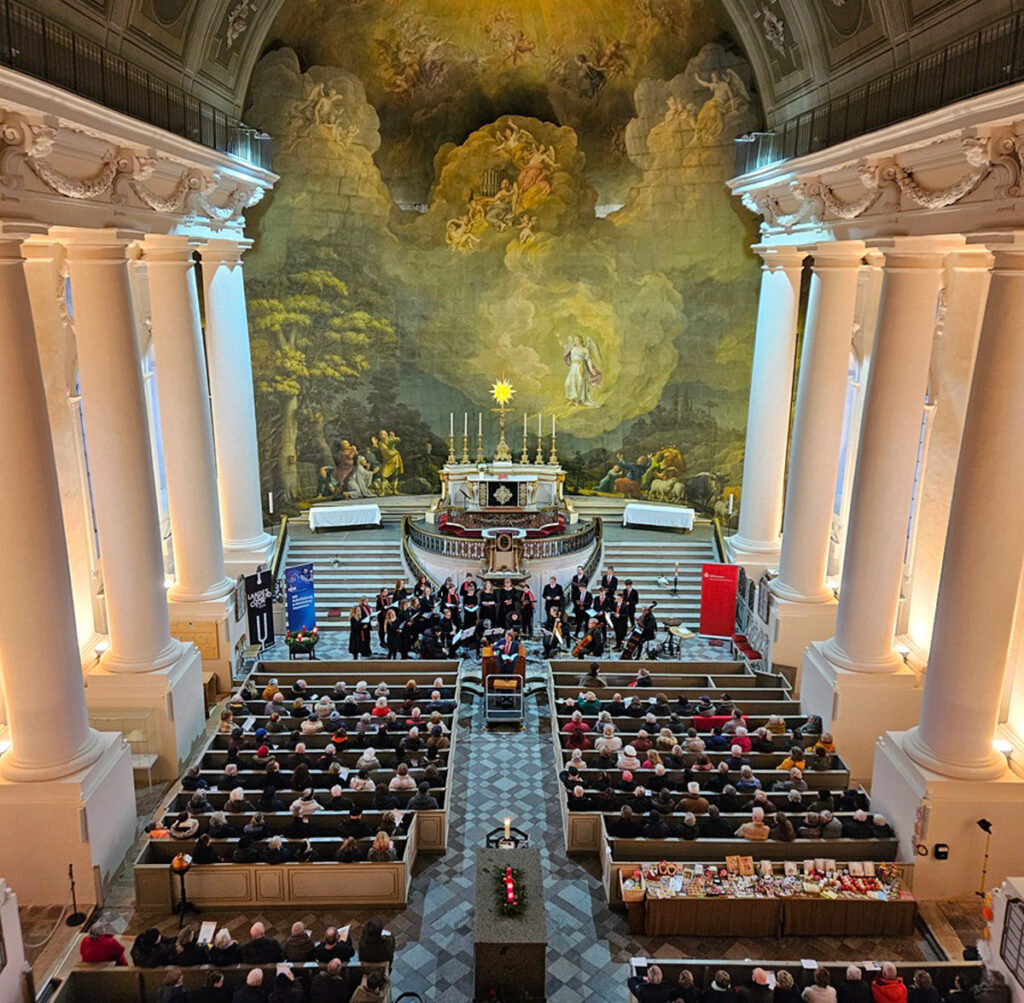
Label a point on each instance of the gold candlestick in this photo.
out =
(480, 449)
(553, 458)
(465, 449)
(525, 455)
(451, 448)
(539, 458)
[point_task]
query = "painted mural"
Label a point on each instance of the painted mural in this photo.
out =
(522, 188)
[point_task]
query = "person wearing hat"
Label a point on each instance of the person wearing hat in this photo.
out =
(704, 708)
(102, 946)
(306, 803)
(626, 782)
(857, 827)
(628, 760)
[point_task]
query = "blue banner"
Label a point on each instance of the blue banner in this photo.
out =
(298, 585)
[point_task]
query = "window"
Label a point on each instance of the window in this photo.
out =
(1011, 950)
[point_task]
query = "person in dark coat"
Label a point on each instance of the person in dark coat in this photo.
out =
(213, 992)
(252, 991)
(334, 948)
(329, 985)
(261, 949)
(376, 944)
(150, 950)
(853, 989)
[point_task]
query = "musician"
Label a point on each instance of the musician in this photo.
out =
(632, 598)
(609, 581)
(445, 630)
(620, 619)
(489, 603)
(392, 633)
(554, 598)
(591, 645)
(605, 601)
(554, 636)
(507, 651)
(579, 581)
(470, 604)
(506, 602)
(581, 607)
(359, 630)
(527, 603)
(647, 624)
(384, 601)
(430, 645)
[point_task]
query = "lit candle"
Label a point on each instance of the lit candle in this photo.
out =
(479, 424)
(270, 501)
(451, 422)
(465, 424)
(508, 827)
(677, 567)
(539, 429)
(730, 504)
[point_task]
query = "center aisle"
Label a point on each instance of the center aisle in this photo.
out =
(506, 772)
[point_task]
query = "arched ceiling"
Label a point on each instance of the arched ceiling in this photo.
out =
(803, 52)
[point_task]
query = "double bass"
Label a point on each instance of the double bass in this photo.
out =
(629, 649)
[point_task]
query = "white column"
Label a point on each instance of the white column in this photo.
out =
(884, 479)
(818, 422)
(185, 420)
(981, 570)
(42, 670)
(758, 539)
(234, 410)
(117, 434)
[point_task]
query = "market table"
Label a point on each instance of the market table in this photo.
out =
(333, 516)
(673, 516)
(712, 917)
(811, 917)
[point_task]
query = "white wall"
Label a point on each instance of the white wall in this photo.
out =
(10, 926)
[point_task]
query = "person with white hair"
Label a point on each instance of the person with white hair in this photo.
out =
(889, 987)
(300, 946)
(628, 760)
(102, 946)
(229, 778)
(225, 950)
(755, 829)
(649, 988)
(857, 827)
(368, 759)
(276, 852)
(853, 989)
(237, 803)
(747, 781)
(692, 800)
(758, 991)
(261, 949)
(880, 828)
(831, 827)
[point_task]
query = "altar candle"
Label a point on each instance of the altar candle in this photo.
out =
(451, 423)
(677, 568)
(508, 827)
(524, 426)
(552, 424)
(539, 429)
(479, 424)
(730, 504)
(465, 424)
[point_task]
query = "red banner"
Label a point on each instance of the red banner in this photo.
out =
(718, 584)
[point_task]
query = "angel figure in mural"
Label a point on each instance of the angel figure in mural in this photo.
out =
(729, 97)
(583, 360)
(534, 182)
(459, 236)
(392, 466)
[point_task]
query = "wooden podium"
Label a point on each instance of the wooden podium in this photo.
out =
(490, 667)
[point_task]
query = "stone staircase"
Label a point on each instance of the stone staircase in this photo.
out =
(646, 561)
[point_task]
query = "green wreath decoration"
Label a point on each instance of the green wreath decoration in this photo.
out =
(518, 903)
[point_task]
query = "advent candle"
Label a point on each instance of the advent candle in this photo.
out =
(465, 424)
(508, 828)
(451, 422)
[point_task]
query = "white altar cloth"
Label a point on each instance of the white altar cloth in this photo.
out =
(325, 516)
(674, 516)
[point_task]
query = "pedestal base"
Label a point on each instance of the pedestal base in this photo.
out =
(756, 559)
(929, 810)
(86, 819)
(247, 557)
(857, 707)
(797, 624)
(214, 629)
(171, 697)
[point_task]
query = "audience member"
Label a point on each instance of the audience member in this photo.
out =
(261, 949)
(820, 990)
(649, 987)
(853, 989)
(888, 987)
(299, 946)
(101, 945)
(212, 991)
(758, 991)
(376, 944)
(329, 985)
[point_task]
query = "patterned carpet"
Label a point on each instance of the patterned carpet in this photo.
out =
(512, 772)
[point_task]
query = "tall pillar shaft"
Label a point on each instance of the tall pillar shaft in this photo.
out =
(233, 403)
(981, 571)
(818, 422)
(185, 420)
(886, 460)
(771, 388)
(42, 671)
(117, 436)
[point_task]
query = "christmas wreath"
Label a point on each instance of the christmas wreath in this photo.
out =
(509, 891)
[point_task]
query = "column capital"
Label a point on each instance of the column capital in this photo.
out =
(837, 254)
(108, 244)
(972, 258)
(13, 234)
(921, 252)
(783, 256)
(168, 248)
(225, 251)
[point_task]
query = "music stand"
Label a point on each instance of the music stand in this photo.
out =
(181, 865)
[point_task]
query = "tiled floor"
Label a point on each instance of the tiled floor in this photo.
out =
(589, 945)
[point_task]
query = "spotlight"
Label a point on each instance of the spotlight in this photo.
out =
(985, 825)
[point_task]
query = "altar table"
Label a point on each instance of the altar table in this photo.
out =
(672, 516)
(333, 516)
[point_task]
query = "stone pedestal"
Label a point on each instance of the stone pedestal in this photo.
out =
(175, 693)
(927, 809)
(797, 624)
(510, 951)
(857, 707)
(82, 819)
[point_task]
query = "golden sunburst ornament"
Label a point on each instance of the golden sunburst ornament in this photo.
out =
(502, 391)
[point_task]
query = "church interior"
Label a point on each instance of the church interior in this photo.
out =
(510, 489)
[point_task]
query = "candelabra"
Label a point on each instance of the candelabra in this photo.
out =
(525, 455)
(539, 458)
(553, 458)
(465, 448)
(451, 447)
(502, 454)
(480, 448)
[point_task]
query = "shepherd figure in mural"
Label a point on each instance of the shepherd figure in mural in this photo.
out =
(584, 375)
(391, 463)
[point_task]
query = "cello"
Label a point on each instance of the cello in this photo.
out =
(629, 649)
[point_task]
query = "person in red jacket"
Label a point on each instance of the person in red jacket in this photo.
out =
(102, 945)
(890, 988)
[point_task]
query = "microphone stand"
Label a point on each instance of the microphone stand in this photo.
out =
(76, 918)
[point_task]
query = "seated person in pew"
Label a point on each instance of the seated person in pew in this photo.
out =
(626, 826)
(261, 949)
(720, 990)
(755, 829)
(688, 828)
(692, 800)
(782, 828)
(350, 851)
(578, 801)
(857, 827)
(334, 948)
(649, 988)
(713, 826)
(422, 800)
(592, 678)
(276, 852)
(758, 991)
(655, 827)
(100, 945)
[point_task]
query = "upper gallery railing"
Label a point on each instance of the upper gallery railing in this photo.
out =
(984, 60)
(462, 548)
(33, 44)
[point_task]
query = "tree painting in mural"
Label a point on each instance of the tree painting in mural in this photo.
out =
(309, 341)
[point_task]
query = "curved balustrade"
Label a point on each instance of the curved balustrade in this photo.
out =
(472, 549)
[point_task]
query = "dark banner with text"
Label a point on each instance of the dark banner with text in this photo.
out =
(259, 605)
(718, 584)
